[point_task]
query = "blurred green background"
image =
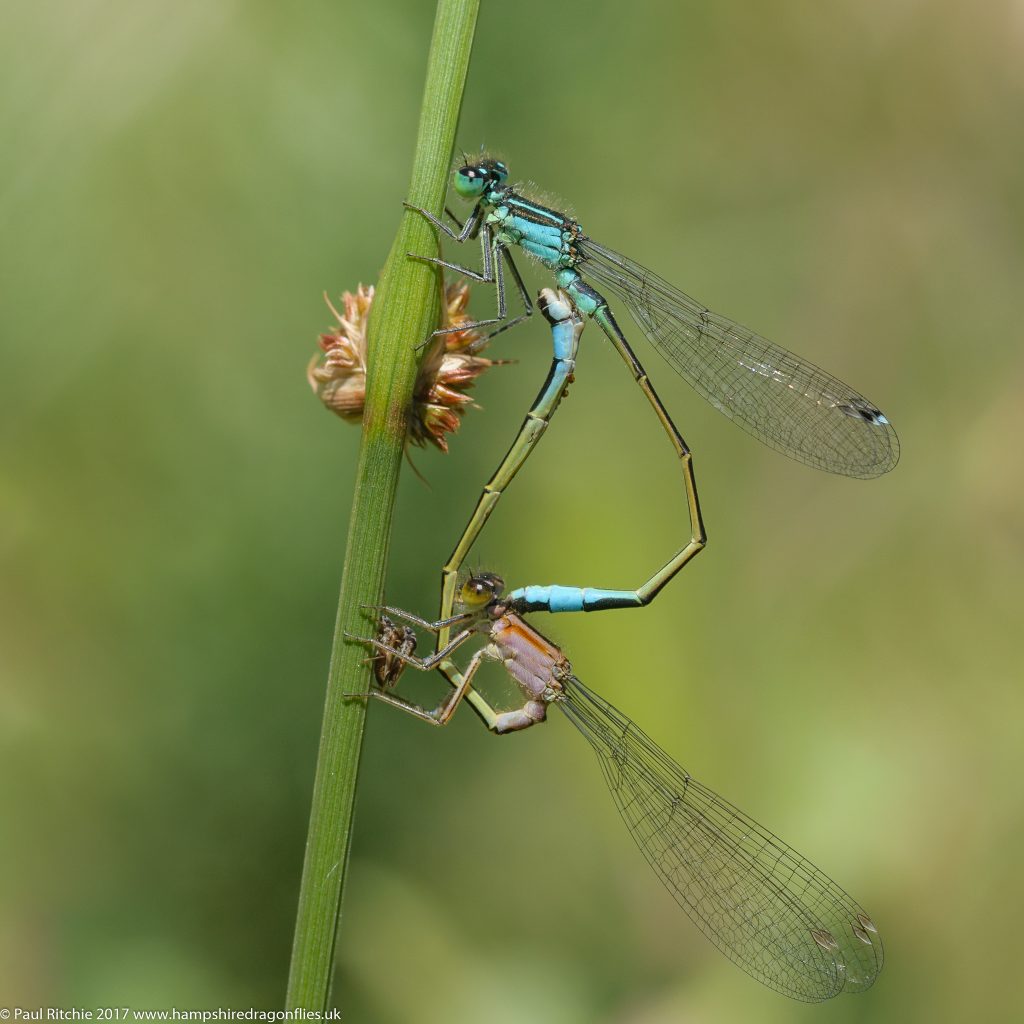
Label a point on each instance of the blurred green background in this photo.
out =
(181, 182)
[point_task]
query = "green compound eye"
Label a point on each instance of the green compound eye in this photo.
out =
(470, 181)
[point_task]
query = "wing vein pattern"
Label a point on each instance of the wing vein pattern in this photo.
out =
(786, 402)
(764, 905)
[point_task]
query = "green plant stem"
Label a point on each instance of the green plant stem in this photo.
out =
(405, 310)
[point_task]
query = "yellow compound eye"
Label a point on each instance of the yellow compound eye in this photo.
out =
(470, 598)
(475, 594)
(480, 589)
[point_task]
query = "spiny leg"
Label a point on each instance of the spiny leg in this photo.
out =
(466, 230)
(408, 658)
(392, 656)
(432, 627)
(487, 246)
(441, 715)
(500, 722)
(524, 297)
(395, 652)
(494, 255)
(489, 250)
(476, 700)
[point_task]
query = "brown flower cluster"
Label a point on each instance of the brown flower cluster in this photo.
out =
(337, 374)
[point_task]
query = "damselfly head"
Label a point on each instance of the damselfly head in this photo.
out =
(473, 179)
(481, 589)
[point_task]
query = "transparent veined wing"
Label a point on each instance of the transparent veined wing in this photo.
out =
(786, 402)
(764, 905)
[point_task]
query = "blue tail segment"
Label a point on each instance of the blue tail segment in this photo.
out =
(570, 599)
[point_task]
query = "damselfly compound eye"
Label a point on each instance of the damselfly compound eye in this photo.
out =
(470, 181)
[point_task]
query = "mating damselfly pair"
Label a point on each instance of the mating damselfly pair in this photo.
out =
(764, 905)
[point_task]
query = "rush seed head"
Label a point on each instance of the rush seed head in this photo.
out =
(337, 373)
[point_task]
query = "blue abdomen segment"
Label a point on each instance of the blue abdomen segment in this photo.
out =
(563, 339)
(571, 599)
